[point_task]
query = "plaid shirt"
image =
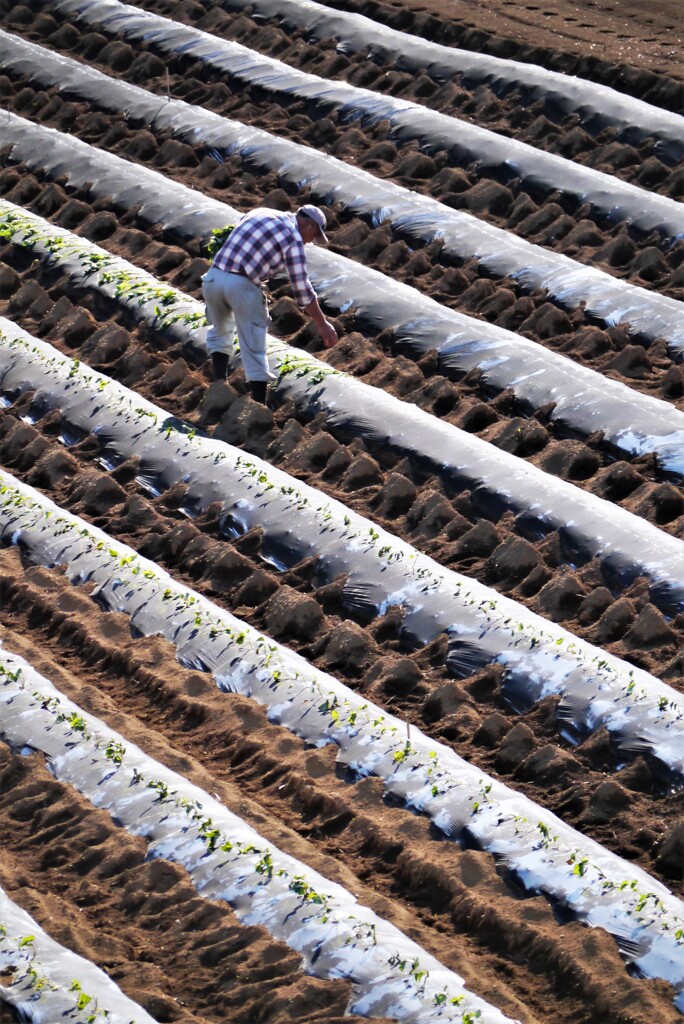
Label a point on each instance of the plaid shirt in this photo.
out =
(261, 244)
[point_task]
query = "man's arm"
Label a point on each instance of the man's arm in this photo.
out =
(295, 262)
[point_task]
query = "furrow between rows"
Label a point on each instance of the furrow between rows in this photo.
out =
(582, 399)
(508, 158)
(227, 859)
(435, 781)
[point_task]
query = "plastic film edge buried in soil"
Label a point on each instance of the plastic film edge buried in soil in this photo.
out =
(48, 982)
(408, 120)
(590, 527)
(331, 180)
(299, 522)
(596, 105)
(227, 859)
(545, 854)
(581, 398)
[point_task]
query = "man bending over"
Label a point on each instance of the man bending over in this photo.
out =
(260, 245)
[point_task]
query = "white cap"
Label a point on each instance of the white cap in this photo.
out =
(317, 216)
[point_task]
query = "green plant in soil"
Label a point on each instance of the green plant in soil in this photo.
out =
(218, 238)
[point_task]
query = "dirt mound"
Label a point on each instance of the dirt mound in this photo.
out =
(187, 959)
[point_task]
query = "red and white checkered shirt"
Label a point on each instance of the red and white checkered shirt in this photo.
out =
(261, 244)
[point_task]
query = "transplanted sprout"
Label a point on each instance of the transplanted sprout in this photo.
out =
(115, 751)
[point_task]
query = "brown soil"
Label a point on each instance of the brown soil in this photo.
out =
(188, 960)
(625, 43)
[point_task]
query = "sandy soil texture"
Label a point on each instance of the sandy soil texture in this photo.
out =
(184, 958)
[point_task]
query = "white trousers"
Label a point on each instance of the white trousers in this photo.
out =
(234, 303)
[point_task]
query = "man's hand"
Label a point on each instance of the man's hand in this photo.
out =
(324, 327)
(328, 334)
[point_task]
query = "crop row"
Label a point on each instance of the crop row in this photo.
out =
(333, 181)
(229, 860)
(544, 853)
(467, 142)
(47, 982)
(597, 106)
(539, 658)
(582, 399)
(623, 542)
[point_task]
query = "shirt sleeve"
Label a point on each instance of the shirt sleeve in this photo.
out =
(295, 262)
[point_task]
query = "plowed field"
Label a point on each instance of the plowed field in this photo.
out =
(186, 959)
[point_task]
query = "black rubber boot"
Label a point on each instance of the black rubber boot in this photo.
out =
(258, 390)
(219, 362)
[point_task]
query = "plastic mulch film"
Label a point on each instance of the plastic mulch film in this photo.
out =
(466, 142)
(228, 860)
(588, 526)
(464, 803)
(642, 714)
(45, 981)
(333, 181)
(597, 106)
(582, 399)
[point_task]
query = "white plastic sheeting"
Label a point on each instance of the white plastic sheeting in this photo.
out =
(333, 181)
(597, 106)
(627, 545)
(228, 860)
(582, 399)
(588, 526)
(465, 142)
(41, 978)
(298, 522)
(545, 854)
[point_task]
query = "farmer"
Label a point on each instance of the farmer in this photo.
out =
(260, 245)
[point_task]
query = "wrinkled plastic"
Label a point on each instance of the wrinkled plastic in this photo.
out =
(343, 939)
(583, 400)
(333, 181)
(597, 106)
(543, 853)
(465, 142)
(57, 999)
(298, 522)
(588, 526)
